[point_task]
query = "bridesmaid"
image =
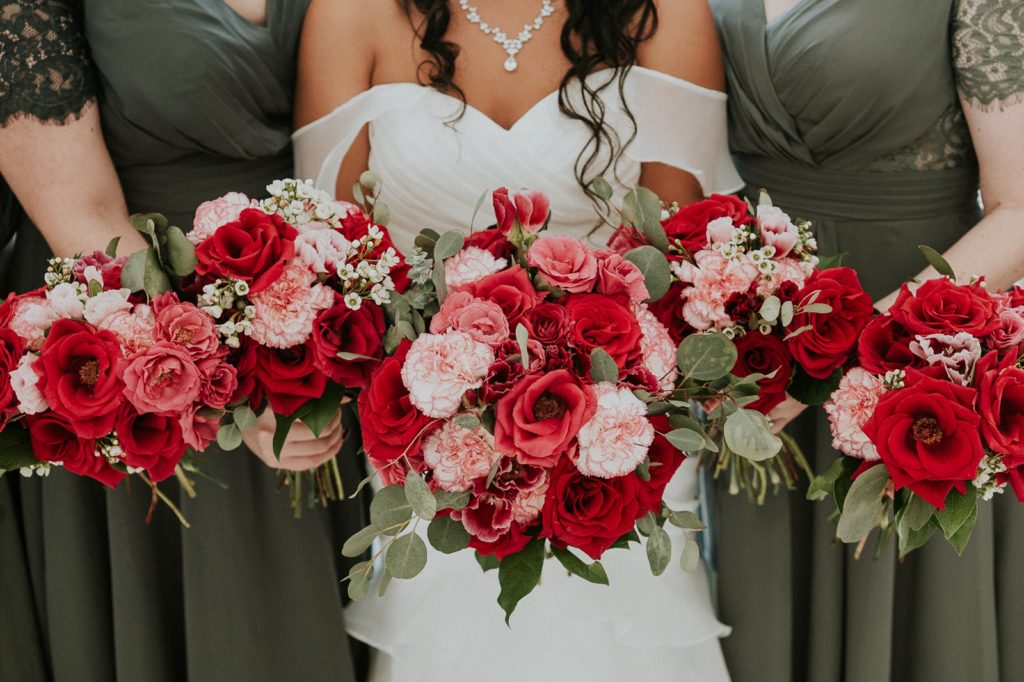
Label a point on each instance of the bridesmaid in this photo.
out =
(196, 102)
(875, 120)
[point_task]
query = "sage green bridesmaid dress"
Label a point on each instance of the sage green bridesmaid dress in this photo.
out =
(195, 102)
(847, 112)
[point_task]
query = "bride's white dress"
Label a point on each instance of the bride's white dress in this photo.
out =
(445, 624)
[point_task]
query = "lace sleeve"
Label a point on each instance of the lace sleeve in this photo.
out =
(45, 70)
(988, 51)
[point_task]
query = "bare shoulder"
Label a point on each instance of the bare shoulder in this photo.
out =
(685, 44)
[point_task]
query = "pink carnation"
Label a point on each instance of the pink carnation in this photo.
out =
(458, 457)
(482, 320)
(322, 250)
(777, 230)
(286, 310)
(471, 264)
(31, 320)
(616, 440)
(25, 384)
(212, 214)
(527, 505)
(616, 275)
(162, 379)
(786, 270)
(566, 263)
(440, 368)
(658, 348)
(714, 278)
(134, 329)
(850, 408)
(957, 354)
(102, 306)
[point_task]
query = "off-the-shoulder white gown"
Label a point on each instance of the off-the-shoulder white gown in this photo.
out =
(445, 624)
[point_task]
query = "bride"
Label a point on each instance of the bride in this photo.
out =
(444, 100)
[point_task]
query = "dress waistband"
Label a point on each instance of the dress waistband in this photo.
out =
(861, 195)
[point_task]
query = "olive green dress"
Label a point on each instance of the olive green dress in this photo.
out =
(195, 102)
(847, 112)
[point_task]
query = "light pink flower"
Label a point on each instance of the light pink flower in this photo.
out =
(849, 408)
(566, 263)
(616, 440)
(189, 327)
(106, 304)
(957, 354)
(24, 383)
(532, 209)
(458, 457)
(322, 250)
(32, 319)
(777, 230)
(786, 270)
(197, 430)
(721, 231)
(65, 302)
(212, 214)
(162, 379)
(440, 368)
(286, 310)
(528, 504)
(482, 320)
(659, 351)
(715, 278)
(133, 329)
(469, 265)
(1011, 329)
(616, 275)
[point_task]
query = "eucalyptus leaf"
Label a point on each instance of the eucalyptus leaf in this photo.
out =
(686, 520)
(522, 337)
(381, 213)
(467, 421)
(642, 208)
(448, 500)
(111, 249)
(770, 309)
(133, 271)
(359, 542)
(229, 437)
(244, 417)
(518, 574)
(691, 556)
(817, 309)
(706, 357)
(390, 508)
(685, 440)
(15, 448)
(406, 556)
(447, 535)
(786, 313)
(863, 507)
(748, 433)
(181, 254)
(659, 550)
(917, 512)
(602, 189)
(449, 244)
(385, 581)
(593, 573)
(654, 267)
(418, 494)
(359, 580)
(646, 523)
(602, 366)
(440, 286)
(936, 260)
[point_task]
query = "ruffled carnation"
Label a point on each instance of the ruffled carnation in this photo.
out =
(286, 310)
(134, 328)
(527, 505)
(657, 347)
(440, 368)
(102, 306)
(469, 265)
(31, 318)
(212, 214)
(458, 456)
(25, 384)
(322, 250)
(850, 408)
(957, 354)
(715, 279)
(615, 441)
(483, 320)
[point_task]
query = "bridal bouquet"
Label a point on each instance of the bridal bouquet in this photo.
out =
(752, 275)
(528, 407)
(103, 383)
(932, 420)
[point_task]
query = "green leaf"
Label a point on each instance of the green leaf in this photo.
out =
(281, 429)
(706, 357)
(691, 556)
(368, 180)
(960, 538)
(111, 249)
(426, 240)
(390, 508)
(360, 542)
(936, 260)
(359, 580)
(602, 366)
(623, 542)
(748, 433)
(646, 523)
(518, 574)
(134, 270)
(488, 562)
(244, 417)
(467, 421)
(686, 520)
(440, 286)
(423, 503)
(15, 448)
(449, 244)
(685, 440)
(659, 550)
(406, 556)
(959, 508)
(381, 213)
(824, 485)
(602, 189)
(181, 254)
(770, 309)
(476, 209)
(522, 337)
(833, 260)
(385, 581)
(811, 391)
(642, 208)
(447, 500)
(910, 539)
(229, 437)
(593, 573)
(863, 507)
(447, 535)
(917, 513)
(322, 411)
(654, 266)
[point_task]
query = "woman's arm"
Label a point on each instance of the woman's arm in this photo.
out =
(988, 39)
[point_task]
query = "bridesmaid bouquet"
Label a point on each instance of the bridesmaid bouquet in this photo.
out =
(751, 276)
(103, 383)
(932, 420)
(528, 407)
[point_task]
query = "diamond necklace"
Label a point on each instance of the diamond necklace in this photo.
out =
(512, 46)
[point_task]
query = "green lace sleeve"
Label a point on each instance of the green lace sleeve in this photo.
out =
(988, 51)
(45, 70)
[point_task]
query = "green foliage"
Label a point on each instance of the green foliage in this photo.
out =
(447, 535)
(406, 556)
(958, 511)
(864, 505)
(748, 433)
(654, 266)
(594, 572)
(659, 550)
(229, 436)
(824, 485)
(518, 574)
(685, 440)
(447, 500)
(360, 541)
(418, 494)
(706, 357)
(448, 244)
(488, 562)
(686, 520)
(691, 556)
(936, 260)
(811, 391)
(359, 580)
(389, 509)
(602, 366)
(15, 448)
(641, 208)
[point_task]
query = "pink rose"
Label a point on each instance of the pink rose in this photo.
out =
(162, 379)
(458, 457)
(616, 275)
(219, 382)
(189, 327)
(482, 320)
(212, 214)
(566, 263)
(616, 439)
(776, 230)
(440, 368)
(197, 430)
(106, 304)
(471, 265)
(532, 209)
(1011, 329)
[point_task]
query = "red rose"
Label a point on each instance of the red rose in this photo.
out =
(589, 513)
(492, 241)
(688, 228)
(927, 436)
(504, 210)
(356, 225)
(548, 323)
(150, 441)
(763, 354)
(54, 440)
(244, 360)
(538, 420)
(78, 374)
(510, 289)
(1001, 404)
(830, 339)
(254, 249)
(11, 349)
(885, 345)
(514, 540)
(669, 311)
(289, 377)
(601, 321)
(342, 330)
(391, 426)
(668, 460)
(941, 307)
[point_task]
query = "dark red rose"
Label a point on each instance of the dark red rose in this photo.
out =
(763, 354)
(510, 289)
(54, 440)
(504, 210)
(601, 321)
(150, 441)
(927, 436)
(492, 241)
(669, 311)
(1001, 404)
(665, 461)
(244, 360)
(885, 345)
(289, 377)
(688, 228)
(11, 349)
(589, 513)
(218, 382)
(109, 267)
(391, 425)
(514, 540)
(342, 330)
(562, 357)
(548, 323)
(356, 225)
(625, 239)
(539, 419)
(501, 378)
(830, 340)
(941, 307)
(1016, 297)
(78, 374)
(254, 249)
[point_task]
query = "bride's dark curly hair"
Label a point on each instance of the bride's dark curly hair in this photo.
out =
(597, 34)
